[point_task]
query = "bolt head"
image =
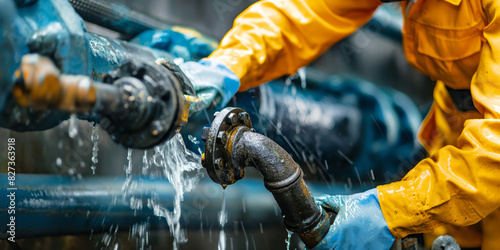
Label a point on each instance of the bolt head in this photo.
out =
(244, 118)
(204, 134)
(222, 137)
(232, 119)
(218, 163)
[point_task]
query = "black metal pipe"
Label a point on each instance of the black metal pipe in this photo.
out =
(50, 205)
(284, 179)
(232, 144)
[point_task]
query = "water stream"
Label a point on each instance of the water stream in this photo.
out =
(72, 126)
(95, 148)
(222, 222)
(302, 74)
(182, 169)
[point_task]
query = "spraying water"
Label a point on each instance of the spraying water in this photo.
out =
(72, 128)
(95, 148)
(222, 222)
(140, 232)
(302, 74)
(182, 168)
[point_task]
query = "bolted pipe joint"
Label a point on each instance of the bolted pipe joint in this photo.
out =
(232, 144)
(140, 104)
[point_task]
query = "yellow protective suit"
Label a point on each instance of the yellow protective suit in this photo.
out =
(455, 42)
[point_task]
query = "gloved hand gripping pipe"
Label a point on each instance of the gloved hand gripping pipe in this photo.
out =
(140, 104)
(231, 144)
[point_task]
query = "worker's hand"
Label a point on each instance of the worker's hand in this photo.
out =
(359, 224)
(180, 42)
(212, 80)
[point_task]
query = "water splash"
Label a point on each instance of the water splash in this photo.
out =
(170, 160)
(72, 127)
(129, 183)
(196, 142)
(95, 148)
(182, 169)
(302, 75)
(128, 167)
(244, 233)
(140, 232)
(222, 222)
(145, 167)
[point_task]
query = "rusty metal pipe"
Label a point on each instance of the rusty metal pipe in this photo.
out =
(232, 144)
(284, 179)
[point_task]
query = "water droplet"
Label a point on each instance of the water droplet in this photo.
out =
(193, 139)
(95, 148)
(72, 127)
(302, 74)
(222, 222)
(182, 169)
(58, 161)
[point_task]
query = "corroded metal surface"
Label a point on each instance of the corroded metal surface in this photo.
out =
(140, 104)
(149, 106)
(215, 159)
(232, 144)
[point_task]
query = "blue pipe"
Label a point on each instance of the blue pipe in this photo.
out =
(54, 29)
(49, 205)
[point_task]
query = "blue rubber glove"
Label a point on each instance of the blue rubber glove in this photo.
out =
(359, 224)
(188, 46)
(208, 77)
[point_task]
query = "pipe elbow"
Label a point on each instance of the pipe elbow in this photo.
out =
(275, 164)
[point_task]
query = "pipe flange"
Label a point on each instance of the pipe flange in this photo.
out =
(150, 107)
(228, 124)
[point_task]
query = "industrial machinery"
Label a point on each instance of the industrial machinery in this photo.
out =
(137, 93)
(140, 104)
